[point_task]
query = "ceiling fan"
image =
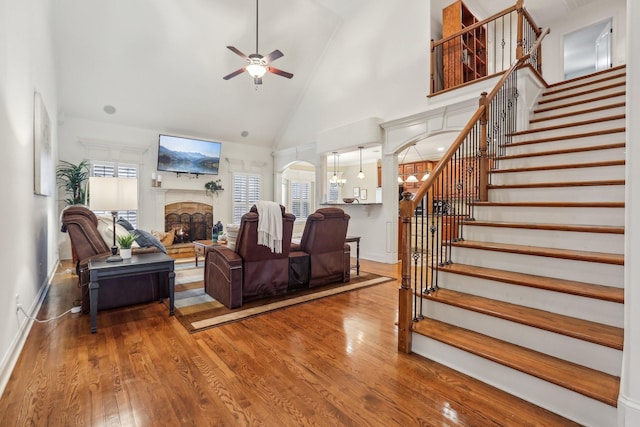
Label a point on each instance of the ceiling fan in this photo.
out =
(258, 65)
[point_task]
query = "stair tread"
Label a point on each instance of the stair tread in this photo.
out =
(554, 204)
(609, 71)
(601, 257)
(589, 290)
(565, 151)
(562, 166)
(570, 136)
(577, 112)
(597, 333)
(558, 184)
(610, 229)
(576, 103)
(588, 382)
(568, 125)
(581, 93)
(567, 87)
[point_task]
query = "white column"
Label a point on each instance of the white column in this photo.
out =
(629, 400)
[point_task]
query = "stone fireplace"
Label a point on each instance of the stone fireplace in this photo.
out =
(188, 220)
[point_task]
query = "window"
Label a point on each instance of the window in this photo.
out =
(334, 192)
(246, 192)
(122, 170)
(300, 199)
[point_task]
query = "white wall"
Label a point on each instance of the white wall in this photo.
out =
(552, 47)
(375, 66)
(86, 139)
(28, 243)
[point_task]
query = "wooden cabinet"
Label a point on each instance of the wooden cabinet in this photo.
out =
(465, 56)
(415, 168)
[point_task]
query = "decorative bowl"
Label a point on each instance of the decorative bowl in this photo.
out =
(348, 199)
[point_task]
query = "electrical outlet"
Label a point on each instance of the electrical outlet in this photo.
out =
(18, 305)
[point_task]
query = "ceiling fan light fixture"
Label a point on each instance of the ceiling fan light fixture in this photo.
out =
(256, 70)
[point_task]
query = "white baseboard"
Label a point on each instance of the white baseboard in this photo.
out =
(17, 344)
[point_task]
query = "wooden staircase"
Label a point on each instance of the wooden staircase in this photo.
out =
(533, 302)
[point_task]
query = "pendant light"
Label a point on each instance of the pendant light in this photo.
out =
(360, 174)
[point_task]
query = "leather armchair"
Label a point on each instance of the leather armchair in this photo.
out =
(250, 271)
(82, 226)
(323, 239)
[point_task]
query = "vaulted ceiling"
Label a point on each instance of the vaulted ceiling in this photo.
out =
(160, 63)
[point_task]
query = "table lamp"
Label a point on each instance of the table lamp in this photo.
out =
(113, 194)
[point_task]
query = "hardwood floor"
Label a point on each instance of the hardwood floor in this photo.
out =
(331, 362)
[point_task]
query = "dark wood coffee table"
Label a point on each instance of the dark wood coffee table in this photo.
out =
(156, 262)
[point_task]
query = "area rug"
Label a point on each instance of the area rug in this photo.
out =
(198, 311)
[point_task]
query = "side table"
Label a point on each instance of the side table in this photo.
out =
(356, 239)
(200, 246)
(156, 262)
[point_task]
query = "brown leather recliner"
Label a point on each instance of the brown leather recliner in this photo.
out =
(82, 226)
(323, 239)
(250, 271)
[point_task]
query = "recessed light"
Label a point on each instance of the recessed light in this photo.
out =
(109, 109)
(440, 148)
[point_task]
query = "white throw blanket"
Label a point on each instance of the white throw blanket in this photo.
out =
(270, 225)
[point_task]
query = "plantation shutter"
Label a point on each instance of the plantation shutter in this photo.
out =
(246, 192)
(300, 199)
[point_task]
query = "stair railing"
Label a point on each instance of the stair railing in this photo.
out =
(484, 49)
(433, 217)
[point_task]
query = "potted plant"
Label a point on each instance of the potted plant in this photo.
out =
(72, 178)
(213, 187)
(125, 242)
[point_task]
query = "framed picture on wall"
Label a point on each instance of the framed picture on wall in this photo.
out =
(363, 194)
(42, 157)
(356, 192)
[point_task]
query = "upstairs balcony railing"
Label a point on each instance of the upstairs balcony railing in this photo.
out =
(433, 217)
(484, 49)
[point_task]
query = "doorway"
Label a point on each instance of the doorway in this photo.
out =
(588, 50)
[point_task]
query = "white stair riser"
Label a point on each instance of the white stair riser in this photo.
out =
(578, 89)
(587, 104)
(597, 173)
(580, 157)
(571, 240)
(559, 102)
(551, 215)
(570, 130)
(574, 406)
(588, 141)
(594, 310)
(594, 79)
(588, 354)
(596, 193)
(581, 271)
(578, 117)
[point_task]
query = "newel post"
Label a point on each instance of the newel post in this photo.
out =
(405, 293)
(484, 159)
(520, 34)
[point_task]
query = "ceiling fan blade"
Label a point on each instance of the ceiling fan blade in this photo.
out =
(257, 80)
(273, 56)
(237, 52)
(235, 73)
(279, 72)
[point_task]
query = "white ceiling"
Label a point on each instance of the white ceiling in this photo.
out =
(160, 63)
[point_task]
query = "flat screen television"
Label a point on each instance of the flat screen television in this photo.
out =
(188, 155)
